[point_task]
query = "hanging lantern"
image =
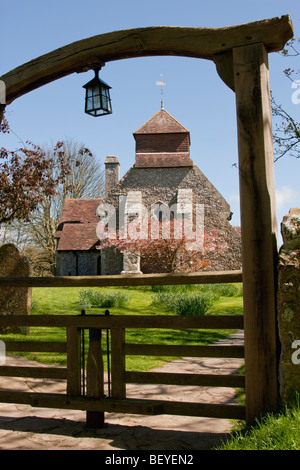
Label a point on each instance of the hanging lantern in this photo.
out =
(97, 98)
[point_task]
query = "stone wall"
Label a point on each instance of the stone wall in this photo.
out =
(78, 263)
(289, 307)
(111, 262)
(164, 185)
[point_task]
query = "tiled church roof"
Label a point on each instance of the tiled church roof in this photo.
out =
(78, 237)
(80, 210)
(77, 225)
(162, 123)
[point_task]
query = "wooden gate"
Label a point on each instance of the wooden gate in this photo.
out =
(93, 400)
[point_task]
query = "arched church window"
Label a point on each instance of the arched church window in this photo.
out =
(162, 212)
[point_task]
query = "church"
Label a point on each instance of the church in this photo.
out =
(163, 177)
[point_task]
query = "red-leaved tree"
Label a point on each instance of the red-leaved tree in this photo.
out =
(172, 248)
(27, 177)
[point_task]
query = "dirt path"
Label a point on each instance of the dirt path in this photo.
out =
(25, 428)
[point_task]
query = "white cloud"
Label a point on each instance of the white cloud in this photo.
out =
(286, 195)
(234, 198)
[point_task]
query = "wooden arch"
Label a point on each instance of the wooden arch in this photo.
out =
(241, 57)
(214, 44)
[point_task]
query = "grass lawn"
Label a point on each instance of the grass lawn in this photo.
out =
(274, 431)
(65, 301)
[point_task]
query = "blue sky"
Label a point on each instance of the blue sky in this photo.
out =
(194, 94)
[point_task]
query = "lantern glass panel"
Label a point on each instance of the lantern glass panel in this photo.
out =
(97, 97)
(89, 104)
(97, 101)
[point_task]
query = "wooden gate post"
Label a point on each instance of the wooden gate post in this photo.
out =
(258, 225)
(73, 361)
(118, 385)
(95, 379)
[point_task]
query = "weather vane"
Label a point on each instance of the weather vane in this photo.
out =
(161, 84)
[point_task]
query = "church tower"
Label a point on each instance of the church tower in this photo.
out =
(162, 142)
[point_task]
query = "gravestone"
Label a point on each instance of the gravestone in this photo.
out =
(14, 300)
(131, 263)
(289, 307)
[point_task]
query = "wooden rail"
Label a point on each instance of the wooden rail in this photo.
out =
(143, 407)
(125, 321)
(214, 277)
(93, 402)
(35, 346)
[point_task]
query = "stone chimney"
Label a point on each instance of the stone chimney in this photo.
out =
(112, 173)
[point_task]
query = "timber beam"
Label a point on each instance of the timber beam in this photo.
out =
(202, 43)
